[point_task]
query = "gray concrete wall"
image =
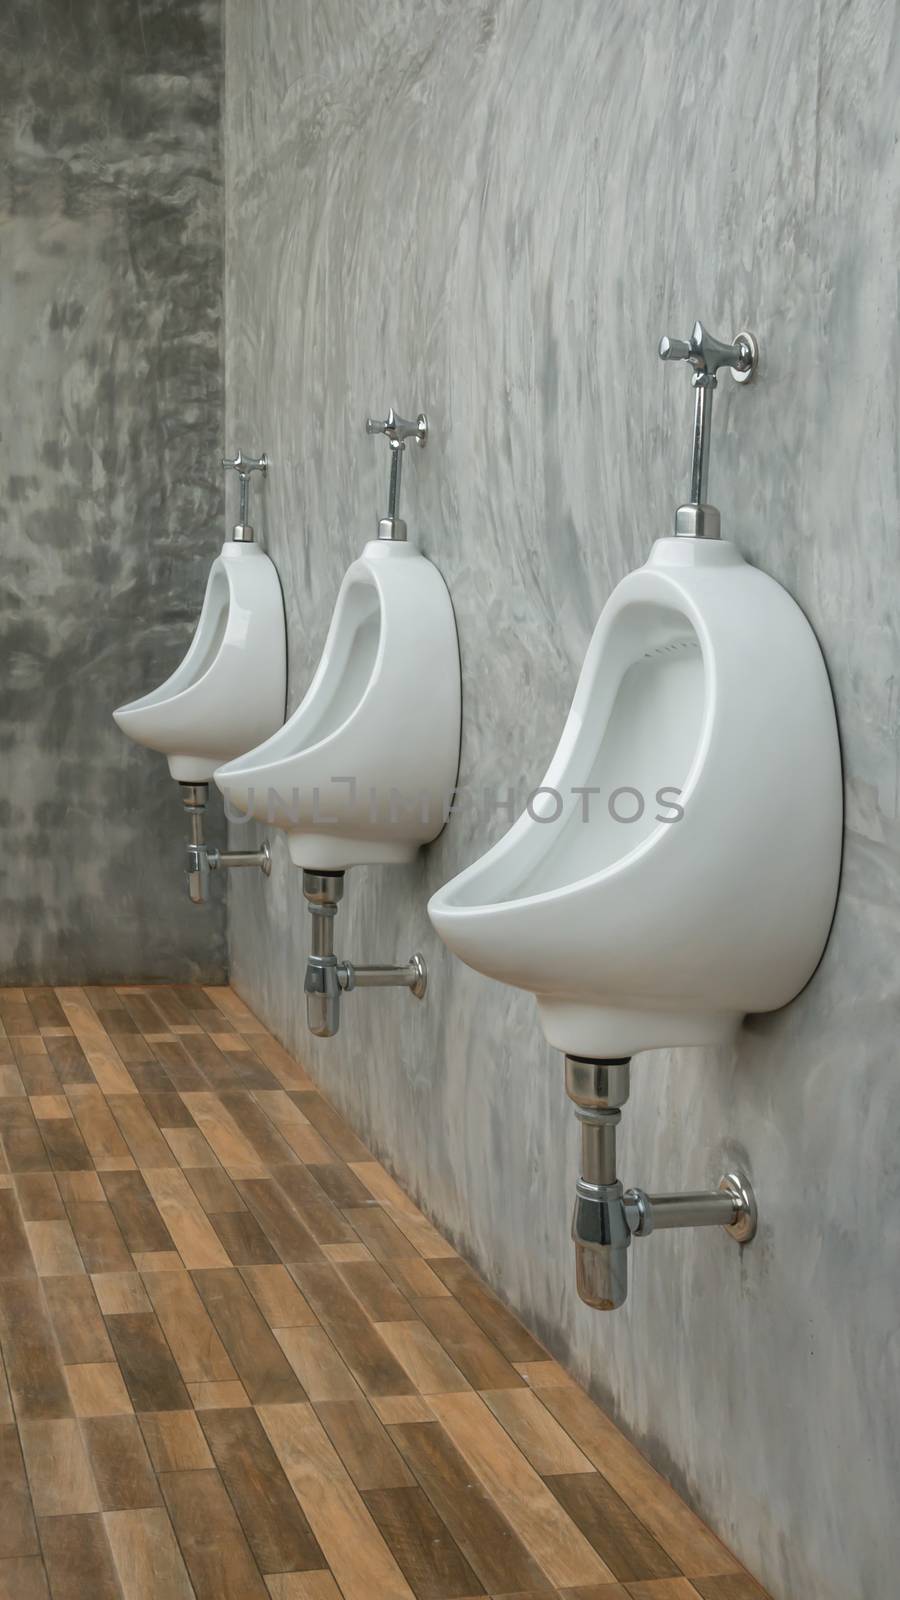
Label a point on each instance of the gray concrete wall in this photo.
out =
(493, 210)
(111, 420)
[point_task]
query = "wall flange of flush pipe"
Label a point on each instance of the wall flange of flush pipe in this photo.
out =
(328, 978)
(607, 1217)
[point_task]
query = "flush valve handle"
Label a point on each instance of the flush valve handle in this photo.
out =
(243, 466)
(397, 430)
(706, 355)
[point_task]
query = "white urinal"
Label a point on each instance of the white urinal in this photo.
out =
(229, 691)
(681, 867)
(364, 770)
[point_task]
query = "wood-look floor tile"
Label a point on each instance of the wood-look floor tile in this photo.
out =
(158, 1261)
(53, 1248)
(33, 1366)
(331, 1125)
(191, 1149)
(49, 1106)
(236, 1153)
(165, 1106)
(341, 1185)
(120, 1291)
(376, 1292)
(282, 1066)
(10, 1082)
(18, 1534)
(374, 1366)
(121, 1466)
(295, 1128)
(180, 1069)
(355, 1551)
(59, 1474)
(402, 1408)
(490, 1545)
(545, 1374)
(279, 1220)
(141, 1009)
(380, 1233)
(730, 1586)
(259, 1360)
(324, 1221)
(243, 1239)
(148, 1366)
(138, 1216)
(276, 1529)
(560, 1549)
(538, 1435)
(21, 1139)
(195, 1239)
(23, 1578)
(99, 1129)
(175, 1441)
(80, 1185)
(44, 1006)
(69, 1061)
(215, 1396)
(78, 1558)
(97, 1389)
(199, 1352)
(627, 1547)
(693, 1548)
(278, 1297)
(7, 1413)
(318, 1366)
(502, 1328)
(339, 1253)
(477, 1358)
(65, 1147)
(418, 1281)
(653, 1589)
(140, 1131)
(418, 1352)
(212, 1541)
(272, 1150)
(215, 1190)
(365, 1448)
(16, 1260)
(424, 1550)
(303, 1586)
(147, 1557)
(98, 1237)
(39, 1197)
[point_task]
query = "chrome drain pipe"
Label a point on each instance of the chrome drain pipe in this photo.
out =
(202, 859)
(327, 978)
(606, 1216)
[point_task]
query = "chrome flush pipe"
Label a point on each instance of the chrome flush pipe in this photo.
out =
(243, 465)
(327, 978)
(606, 1216)
(706, 355)
(203, 859)
(397, 430)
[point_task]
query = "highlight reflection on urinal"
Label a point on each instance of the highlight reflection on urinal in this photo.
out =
(364, 770)
(229, 691)
(662, 918)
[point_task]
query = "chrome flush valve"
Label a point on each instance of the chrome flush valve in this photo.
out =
(243, 466)
(706, 355)
(397, 431)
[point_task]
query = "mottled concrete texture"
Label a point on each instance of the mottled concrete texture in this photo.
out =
(492, 210)
(111, 423)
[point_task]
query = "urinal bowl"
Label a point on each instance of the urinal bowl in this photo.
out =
(678, 867)
(364, 770)
(229, 691)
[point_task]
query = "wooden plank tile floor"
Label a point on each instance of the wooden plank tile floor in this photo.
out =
(240, 1364)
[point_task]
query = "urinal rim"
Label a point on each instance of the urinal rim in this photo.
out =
(659, 584)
